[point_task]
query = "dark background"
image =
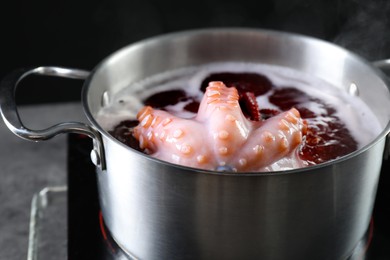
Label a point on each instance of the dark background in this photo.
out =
(79, 34)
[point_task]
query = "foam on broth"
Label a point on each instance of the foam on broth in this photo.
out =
(350, 109)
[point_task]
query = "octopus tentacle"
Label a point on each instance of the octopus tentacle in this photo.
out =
(219, 135)
(225, 123)
(275, 138)
(170, 138)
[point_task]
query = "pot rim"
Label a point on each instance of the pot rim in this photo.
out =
(95, 124)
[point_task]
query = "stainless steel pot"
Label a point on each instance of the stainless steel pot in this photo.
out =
(156, 210)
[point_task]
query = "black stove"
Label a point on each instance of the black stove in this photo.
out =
(88, 238)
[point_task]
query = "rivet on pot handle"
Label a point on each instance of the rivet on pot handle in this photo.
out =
(384, 65)
(11, 117)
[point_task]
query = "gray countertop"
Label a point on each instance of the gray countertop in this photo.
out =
(28, 167)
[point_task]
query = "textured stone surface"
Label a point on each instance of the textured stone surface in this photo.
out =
(26, 168)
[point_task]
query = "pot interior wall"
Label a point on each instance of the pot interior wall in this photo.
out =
(324, 60)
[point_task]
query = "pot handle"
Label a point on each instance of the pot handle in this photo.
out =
(384, 65)
(10, 115)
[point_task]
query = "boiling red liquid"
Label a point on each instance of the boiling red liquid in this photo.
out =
(326, 139)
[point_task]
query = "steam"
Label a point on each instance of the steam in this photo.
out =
(367, 30)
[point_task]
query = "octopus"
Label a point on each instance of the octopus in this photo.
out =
(220, 137)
